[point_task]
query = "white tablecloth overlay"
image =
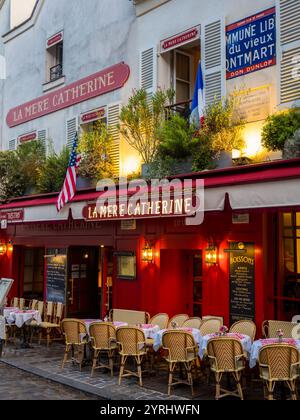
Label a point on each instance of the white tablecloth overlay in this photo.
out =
(158, 337)
(150, 331)
(258, 345)
(19, 318)
(245, 340)
(8, 311)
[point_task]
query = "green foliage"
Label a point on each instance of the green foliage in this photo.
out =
(202, 152)
(12, 182)
(142, 118)
(31, 157)
(279, 128)
(95, 147)
(175, 136)
(52, 174)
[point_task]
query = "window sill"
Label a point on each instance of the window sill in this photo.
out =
(53, 85)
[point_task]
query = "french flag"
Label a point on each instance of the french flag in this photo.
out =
(198, 104)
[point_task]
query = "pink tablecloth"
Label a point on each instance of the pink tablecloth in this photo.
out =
(258, 345)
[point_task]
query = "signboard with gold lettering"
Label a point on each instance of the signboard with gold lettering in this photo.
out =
(242, 281)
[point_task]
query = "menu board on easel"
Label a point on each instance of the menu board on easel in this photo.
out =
(56, 275)
(242, 281)
(5, 286)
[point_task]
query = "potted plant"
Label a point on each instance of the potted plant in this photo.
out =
(141, 119)
(281, 133)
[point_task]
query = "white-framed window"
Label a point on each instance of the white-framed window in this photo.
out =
(54, 62)
(183, 75)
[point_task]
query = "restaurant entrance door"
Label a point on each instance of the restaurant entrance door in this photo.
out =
(83, 272)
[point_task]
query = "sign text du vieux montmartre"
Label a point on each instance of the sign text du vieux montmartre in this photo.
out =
(105, 81)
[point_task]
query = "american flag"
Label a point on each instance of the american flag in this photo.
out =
(69, 188)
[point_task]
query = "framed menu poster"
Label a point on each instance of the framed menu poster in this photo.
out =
(5, 286)
(242, 281)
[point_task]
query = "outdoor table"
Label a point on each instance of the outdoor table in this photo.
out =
(158, 336)
(8, 311)
(258, 345)
(244, 339)
(149, 330)
(21, 319)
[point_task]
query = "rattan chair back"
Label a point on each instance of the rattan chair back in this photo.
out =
(33, 304)
(193, 323)
(179, 319)
(21, 303)
(178, 345)
(161, 320)
(129, 316)
(225, 352)
(15, 302)
(59, 311)
(103, 335)
(40, 308)
(281, 361)
(132, 341)
(74, 330)
(210, 326)
(271, 328)
(246, 327)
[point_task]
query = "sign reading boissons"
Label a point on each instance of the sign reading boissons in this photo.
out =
(242, 282)
(251, 44)
(56, 275)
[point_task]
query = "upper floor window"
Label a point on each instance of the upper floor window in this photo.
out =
(54, 58)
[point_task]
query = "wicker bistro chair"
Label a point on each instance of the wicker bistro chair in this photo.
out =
(161, 320)
(193, 323)
(15, 302)
(244, 327)
(130, 317)
(51, 327)
(181, 349)
(210, 326)
(76, 337)
(270, 328)
(279, 363)
(34, 325)
(179, 319)
(103, 340)
(132, 344)
(226, 355)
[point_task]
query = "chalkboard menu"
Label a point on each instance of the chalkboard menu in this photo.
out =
(242, 281)
(56, 274)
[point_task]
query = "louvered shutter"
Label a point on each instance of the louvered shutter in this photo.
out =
(214, 60)
(42, 137)
(71, 128)
(112, 122)
(148, 70)
(289, 18)
(12, 144)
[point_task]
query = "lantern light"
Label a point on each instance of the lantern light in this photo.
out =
(10, 247)
(3, 248)
(211, 257)
(147, 253)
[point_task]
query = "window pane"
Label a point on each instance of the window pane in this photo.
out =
(298, 256)
(287, 219)
(298, 219)
(182, 92)
(288, 233)
(183, 67)
(289, 255)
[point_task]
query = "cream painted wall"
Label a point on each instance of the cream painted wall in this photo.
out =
(20, 11)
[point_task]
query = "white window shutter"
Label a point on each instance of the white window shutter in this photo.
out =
(12, 144)
(148, 70)
(113, 119)
(213, 58)
(42, 137)
(71, 128)
(289, 51)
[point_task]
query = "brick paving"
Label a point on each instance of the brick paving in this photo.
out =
(46, 364)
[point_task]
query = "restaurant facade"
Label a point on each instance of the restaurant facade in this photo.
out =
(243, 261)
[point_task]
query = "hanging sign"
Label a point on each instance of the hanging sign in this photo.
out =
(27, 137)
(95, 115)
(55, 39)
(180, 39)
(12, 216)
(251, 44)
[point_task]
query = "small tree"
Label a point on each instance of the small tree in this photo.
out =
(31, 158)
(279, 128)
(95, 146)
(142, 118)
(52, 173)
(12, 182)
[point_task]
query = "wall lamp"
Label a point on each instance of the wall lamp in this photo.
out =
(211, 255)
(148, 253)
(3, 248)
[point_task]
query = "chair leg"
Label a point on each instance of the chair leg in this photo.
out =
(122, 368)
(292, 386)
(111, 363)
(139, 368)
(66, 356)
(218, 385)
(48, 338)
(96, 354)
(172, 367)
(270, 391)
(239, 387)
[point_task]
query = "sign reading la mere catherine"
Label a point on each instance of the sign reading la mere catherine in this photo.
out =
(105, 81)
(251, 44)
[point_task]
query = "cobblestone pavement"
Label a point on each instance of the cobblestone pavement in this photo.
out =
(18, 385)
(46, 363)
